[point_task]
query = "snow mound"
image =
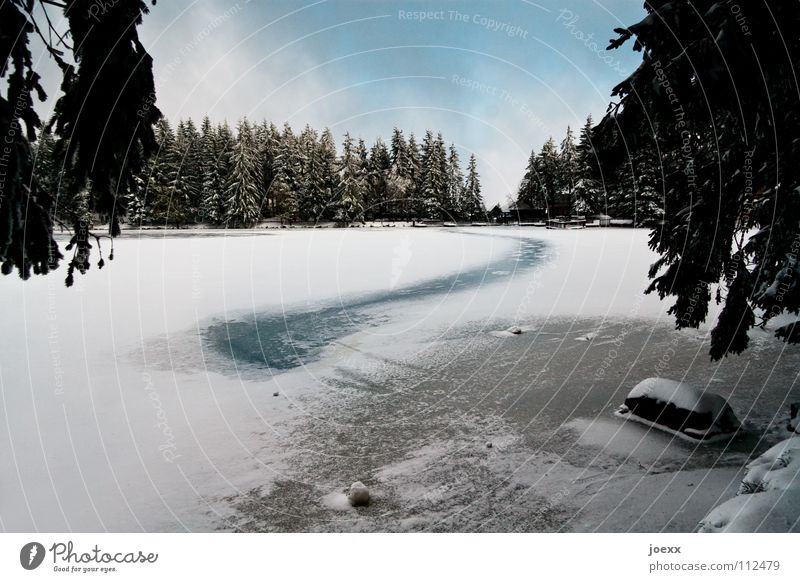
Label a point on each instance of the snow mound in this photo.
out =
(768, 512)
(776, 469)
(680, 394)
(358, 494)
(512, 331)
(769, 495)
(679, 408)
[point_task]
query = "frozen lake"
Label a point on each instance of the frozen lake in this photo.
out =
(241, 380)
(289, 336)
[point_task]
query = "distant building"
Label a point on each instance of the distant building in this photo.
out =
(557, 215)
(621, 222)
(522, 212)
(496, 214)
(560, 209)
(599, 220)
(567, 222)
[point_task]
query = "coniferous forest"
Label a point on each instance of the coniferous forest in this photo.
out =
(569, 178)
(234, 178)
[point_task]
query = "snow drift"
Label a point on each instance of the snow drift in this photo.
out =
(769, 495)
(679, 408)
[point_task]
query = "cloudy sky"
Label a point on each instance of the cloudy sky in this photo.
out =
(496, 77)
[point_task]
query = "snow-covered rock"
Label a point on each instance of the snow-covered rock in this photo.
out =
(769, 495)
(515, 330)
(358, 494)
(679, 408)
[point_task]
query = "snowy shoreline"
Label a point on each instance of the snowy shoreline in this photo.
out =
(276, 228)
(559, 460)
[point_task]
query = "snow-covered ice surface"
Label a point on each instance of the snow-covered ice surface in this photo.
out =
(142, 398)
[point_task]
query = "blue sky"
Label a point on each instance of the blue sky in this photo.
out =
(496, 77)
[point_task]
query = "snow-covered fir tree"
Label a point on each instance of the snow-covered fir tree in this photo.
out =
(189, 182)
(548, 170)
(473, 199)
(167, 191)
(455, 186)
(312, 199)
(266, 142)
(588, 191)
(636, 188)
(50, 177)
(434, 184)
(287, 177)
(400, 181)
(271, 146)
(243, 196)
(399, 152)
(45, 167)
(568, 172)
(362, 156)
(350, 205)
(137, 209)
(530, 190)
(330, 173)
(215, 180)
(208, 159)
(376, 200)
(415, 174)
